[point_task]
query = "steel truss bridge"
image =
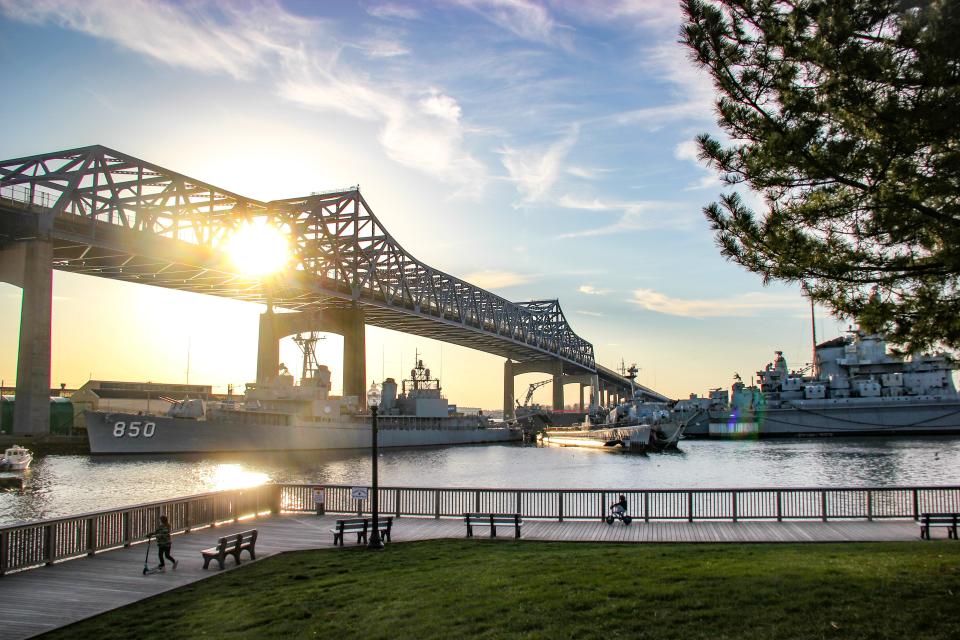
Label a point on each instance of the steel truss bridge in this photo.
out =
(111, 215)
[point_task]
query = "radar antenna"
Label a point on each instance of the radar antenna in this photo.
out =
(308, 346)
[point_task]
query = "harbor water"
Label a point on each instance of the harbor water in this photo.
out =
(64, 485)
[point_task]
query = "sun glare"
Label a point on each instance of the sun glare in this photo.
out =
(258, 248)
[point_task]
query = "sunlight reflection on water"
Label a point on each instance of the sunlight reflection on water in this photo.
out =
(63, 485)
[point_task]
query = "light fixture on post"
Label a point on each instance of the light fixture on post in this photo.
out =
(373, 401)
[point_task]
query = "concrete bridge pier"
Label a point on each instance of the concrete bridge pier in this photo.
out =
(29, 264)
(553, 367)
(347, 322)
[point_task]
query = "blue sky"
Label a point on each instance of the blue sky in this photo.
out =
(538, 149)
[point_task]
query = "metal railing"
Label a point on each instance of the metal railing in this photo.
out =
(643, 504)
(44, 542)
(33, 544)
(26, 197)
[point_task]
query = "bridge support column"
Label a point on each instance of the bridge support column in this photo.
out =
(557, 385)
(508, 399)
(355, 356)
(268, 346)
(31, 412)
(349, 323)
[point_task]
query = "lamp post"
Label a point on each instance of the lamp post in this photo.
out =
(373, 401)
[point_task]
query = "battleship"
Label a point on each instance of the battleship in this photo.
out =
(279, 415)
(854, 387)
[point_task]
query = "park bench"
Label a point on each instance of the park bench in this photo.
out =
(928, 520)
(360, 526)
(231, 545)
(492, 520)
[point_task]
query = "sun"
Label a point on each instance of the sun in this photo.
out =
(258, 248)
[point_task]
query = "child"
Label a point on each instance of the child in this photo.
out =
(164, 543)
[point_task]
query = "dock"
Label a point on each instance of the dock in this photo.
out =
(46, 598)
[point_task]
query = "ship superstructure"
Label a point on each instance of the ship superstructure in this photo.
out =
(279, 415)
(855, 386)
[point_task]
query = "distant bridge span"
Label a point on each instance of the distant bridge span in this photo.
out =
(104, 213)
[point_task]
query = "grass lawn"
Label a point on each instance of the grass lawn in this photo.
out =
(504, 589)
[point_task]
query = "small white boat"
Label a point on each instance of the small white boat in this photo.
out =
(16, 458)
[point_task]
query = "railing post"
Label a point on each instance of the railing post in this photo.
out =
(779, 506)
(520, 503)
(869, 504)
(91, 536)
(646, 506)
(125, 524)
(823, 504)
(477, 501)
(277, 501)
(49, 543)
(916, 505)
(186, 515)
(734, 496)
(396, 498)
(689, 505)
(603, 501)
(560, 506)
(4, 557)
(436, 503)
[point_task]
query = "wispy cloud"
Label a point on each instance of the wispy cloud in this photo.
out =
(742, 305)
(419, 127)
(590, 290)
(689, 151)
(491, 279)
(592, 314)
(535, 169)
(391, 10)
(629, 13)
(693, 90)
(587, 173)
(635, 216)
(524, 19)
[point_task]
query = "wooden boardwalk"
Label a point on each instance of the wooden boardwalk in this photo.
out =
(39, 600)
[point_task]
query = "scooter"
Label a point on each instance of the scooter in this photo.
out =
(146, 566)
(616, 514)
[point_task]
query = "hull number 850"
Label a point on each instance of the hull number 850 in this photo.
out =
(134, 429)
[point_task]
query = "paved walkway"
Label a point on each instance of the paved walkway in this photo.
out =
(38, 600)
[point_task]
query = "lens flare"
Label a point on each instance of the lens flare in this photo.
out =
(257, 248)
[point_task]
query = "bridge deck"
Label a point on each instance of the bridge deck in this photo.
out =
(38, 600)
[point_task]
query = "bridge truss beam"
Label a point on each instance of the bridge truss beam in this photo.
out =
(112, 215)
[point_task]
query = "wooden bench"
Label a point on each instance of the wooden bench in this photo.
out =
(231, 545)
(492, 520)
(360, 526)
(928, 520)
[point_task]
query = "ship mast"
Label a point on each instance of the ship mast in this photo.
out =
(308, 346)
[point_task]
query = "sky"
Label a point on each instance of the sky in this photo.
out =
(541, 150)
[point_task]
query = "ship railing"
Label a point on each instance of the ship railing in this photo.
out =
(729, 504)
(32, 544)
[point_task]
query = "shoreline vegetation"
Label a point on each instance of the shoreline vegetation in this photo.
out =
(525, 589)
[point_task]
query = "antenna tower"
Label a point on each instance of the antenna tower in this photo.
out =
(308, 346)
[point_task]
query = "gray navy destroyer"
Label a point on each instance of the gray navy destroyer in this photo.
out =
(855, 388)
(279, 415)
